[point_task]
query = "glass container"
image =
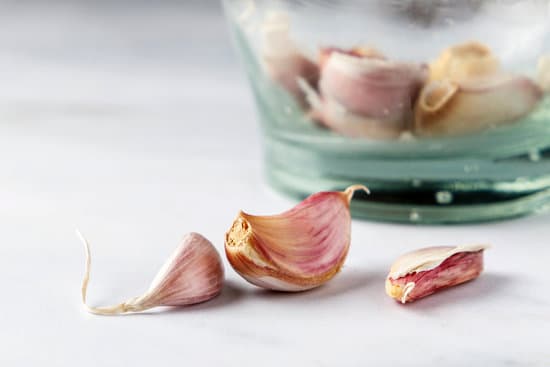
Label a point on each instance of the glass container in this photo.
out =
(441, 108)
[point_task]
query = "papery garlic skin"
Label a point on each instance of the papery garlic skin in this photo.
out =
(543, 73)
(282, 60)
(193, 274)
(420, 273)
(297, 250)
(375, 96)
(468, 92)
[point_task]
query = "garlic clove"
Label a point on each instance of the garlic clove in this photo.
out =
(543, 73)
(376, 95)
(468, 92)
(420, 273)
(464, 61)
(282, 60)
(371, 86)
(297, 250)
(193, 274)
(369, 52)
(453, 108)
(335, 116)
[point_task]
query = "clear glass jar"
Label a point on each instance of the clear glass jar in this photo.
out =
(442, 108)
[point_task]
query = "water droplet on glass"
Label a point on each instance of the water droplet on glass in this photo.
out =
(472, 167)
(444, 197)
(414, 216)
(534, 155)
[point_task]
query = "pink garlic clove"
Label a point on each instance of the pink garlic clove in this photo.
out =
(335, 116)
(282, 60)
(453, 108)
(420, 273)
(297, 250)
(325, 52)
(365, 95)
(193, 274)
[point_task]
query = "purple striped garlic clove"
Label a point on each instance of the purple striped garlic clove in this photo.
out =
(468, 92)
(543, 73)
(420, 273)
(193, 274)
(364, 95)
(297, 250)
(283, 61)
(455, 108)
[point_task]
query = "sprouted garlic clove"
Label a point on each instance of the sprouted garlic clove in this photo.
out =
(297, 250)
(193, 274)
(419, 273)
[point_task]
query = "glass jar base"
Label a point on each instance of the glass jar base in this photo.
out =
(410, 198)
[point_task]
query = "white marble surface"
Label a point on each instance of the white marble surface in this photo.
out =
(136, 128)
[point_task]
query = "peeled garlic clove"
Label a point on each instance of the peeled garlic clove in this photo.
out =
(543, 73)
(193, 274)
(453, 108)
(464, 61)
(282, 60)
(374, 96)
(297, 250)
(423, 272)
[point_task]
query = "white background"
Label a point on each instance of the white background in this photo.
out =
(135, 125)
